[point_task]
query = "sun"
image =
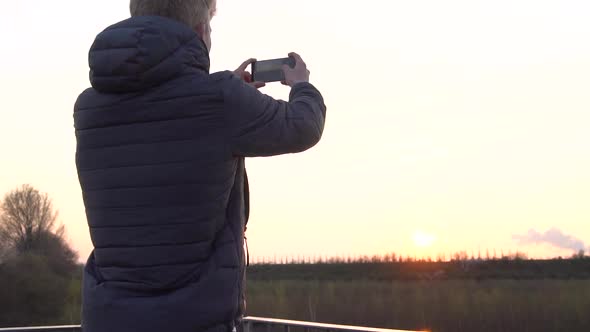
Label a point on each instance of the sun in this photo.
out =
(422, 239)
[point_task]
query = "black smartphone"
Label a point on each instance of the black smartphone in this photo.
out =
(271, 70)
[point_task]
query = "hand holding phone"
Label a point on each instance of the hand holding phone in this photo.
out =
(299, 73)
(245, 75)
(289, 70)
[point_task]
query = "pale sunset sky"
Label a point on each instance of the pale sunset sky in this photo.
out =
(452, 125)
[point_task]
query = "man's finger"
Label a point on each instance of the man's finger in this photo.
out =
(245, 65)
(247, 77)
(258, 85)
(296, 56)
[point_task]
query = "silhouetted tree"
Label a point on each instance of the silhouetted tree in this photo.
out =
(460, 256)
(580, 254)
(519, 256)
(28, 225)
(27, 215)
(4, 248)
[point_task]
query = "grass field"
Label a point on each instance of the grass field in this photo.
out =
(440, 305)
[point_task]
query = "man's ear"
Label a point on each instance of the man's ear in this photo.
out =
(201, 30)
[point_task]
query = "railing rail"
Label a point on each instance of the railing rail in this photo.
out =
(251, 324)
(257, 324)
(69, 328)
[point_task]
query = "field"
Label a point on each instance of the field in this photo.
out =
(445, 305)
(494, 296)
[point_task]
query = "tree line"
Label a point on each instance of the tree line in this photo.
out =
(461, 256)
(507, 268)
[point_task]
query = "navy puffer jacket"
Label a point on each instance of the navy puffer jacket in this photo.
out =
(160, 157)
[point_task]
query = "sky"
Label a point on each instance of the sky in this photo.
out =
(458, 125)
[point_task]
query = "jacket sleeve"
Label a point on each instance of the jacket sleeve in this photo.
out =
(262, 126)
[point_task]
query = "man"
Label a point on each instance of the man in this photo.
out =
(160, 156)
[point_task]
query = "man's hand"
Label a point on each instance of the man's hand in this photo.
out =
(297, 74)
(245, 75)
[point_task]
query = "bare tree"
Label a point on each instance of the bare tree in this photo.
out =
(27, 217)
(28, 225)
(4, 248)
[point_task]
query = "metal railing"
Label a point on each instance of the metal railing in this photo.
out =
(70, 328)
(257, 324)
(251, 324)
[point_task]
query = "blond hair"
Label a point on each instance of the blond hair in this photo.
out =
(190, 12)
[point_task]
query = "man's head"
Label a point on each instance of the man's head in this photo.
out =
(195, 13)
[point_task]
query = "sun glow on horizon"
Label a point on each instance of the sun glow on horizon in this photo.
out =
(423, 239)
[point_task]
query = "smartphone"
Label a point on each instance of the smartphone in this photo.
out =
(271, 70)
